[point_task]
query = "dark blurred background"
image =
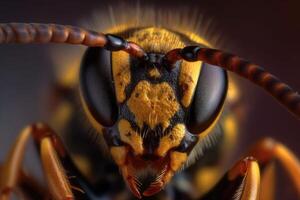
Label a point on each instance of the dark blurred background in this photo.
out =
(266, 32)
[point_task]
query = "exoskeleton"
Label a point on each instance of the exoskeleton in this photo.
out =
(156, 100)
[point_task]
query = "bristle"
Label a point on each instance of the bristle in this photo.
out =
(239, 191)
(137, 182)
(203, 145)
(77, 189)
(112, 16)
(185, 20)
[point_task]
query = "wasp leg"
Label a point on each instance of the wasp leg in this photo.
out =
(29, 188)
(51, 153)
(268, 183)
(268, 150)
(241, 182)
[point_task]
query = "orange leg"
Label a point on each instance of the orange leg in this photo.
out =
(268, 150)
(29, 188)
(241, 182)
(51, 153)
(244, 181)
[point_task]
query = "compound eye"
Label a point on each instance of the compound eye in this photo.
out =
(96, 84)
(208, 98)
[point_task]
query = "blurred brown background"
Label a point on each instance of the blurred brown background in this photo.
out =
(266, 32)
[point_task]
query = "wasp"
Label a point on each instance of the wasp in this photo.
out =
(155, 99)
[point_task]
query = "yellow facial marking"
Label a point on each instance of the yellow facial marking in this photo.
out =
(177, 160)
(119, 154)
(157, 39)
(153, 104)
(121, 73)
(131, 137)
(188, 78)
(171, 140)
(154, 73)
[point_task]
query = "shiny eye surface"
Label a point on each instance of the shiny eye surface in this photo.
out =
(96, 85)
(208, 99)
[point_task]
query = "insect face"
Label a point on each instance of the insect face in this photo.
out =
(151, 116)
(155, 106)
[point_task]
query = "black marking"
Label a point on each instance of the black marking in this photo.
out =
(154, 59)
(281, 94)
(115, 43)
(112, 137)
(271, 83)
(187, 143)
(210, 54)
(256, 76)
(190, 53)
(293, 103)
(225, 60)
(139, 72)
(151, 139)
(243, 67)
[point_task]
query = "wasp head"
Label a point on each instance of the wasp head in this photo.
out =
(151, 115)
